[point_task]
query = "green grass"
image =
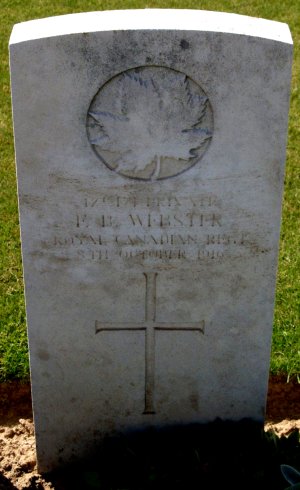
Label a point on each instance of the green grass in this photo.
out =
(285, 357)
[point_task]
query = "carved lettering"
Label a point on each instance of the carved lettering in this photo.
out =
(150, 202)
(171, 221)
(164, 221)
(81, 221)
(137, 240)
(216, 220)
(210, 254)
(136, 220)
(136, 227)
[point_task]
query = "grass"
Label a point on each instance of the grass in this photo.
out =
(285, 358)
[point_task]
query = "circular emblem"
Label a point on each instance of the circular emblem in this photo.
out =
(150, 123)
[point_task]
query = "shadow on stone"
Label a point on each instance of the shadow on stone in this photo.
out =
(235, 454)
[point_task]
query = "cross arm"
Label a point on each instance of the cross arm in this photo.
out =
(109, 326)
(193, 326)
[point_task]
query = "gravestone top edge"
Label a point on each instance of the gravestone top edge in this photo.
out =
(150, 19)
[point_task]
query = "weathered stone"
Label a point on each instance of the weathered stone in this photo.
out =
(150, 150)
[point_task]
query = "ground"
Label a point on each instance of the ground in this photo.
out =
(17, 449)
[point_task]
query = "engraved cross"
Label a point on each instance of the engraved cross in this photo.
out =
(149, 325)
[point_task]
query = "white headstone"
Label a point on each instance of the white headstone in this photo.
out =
(150, 150)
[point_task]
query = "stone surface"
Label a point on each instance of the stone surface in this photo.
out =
(150, 150)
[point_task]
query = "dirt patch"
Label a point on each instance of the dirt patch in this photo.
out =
(17, 445)
(283, 406)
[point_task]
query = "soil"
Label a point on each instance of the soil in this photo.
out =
(17, 446)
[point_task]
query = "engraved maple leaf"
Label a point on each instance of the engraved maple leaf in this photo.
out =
(145, 117)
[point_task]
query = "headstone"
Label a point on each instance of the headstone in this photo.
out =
(150, 150)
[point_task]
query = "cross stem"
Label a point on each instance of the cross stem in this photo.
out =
(149, 325)
(150, 314)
